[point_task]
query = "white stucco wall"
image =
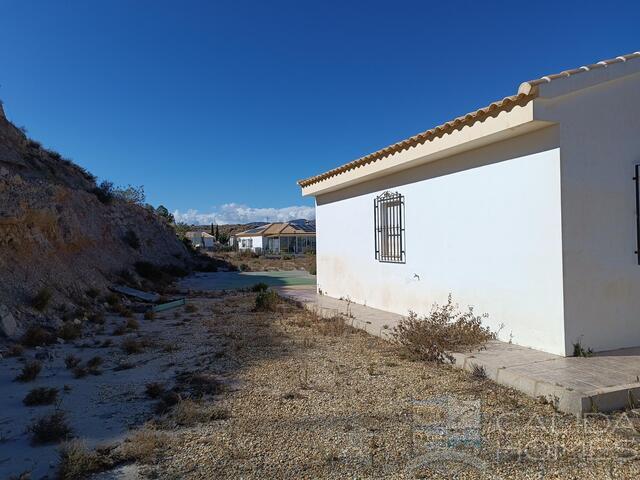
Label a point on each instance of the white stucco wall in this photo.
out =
(256, 243)
(600, 142)
(484, 225)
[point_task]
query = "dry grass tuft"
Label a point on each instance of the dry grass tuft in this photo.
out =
(40, 396)
(69, 331)
(15, 350)
(154, 389)
(71, 361)
(144, 446)
(199, 384)
(51, 428)
(37, 337)
(30, 371)
(189, 413)
(444, 330)
(77, 461)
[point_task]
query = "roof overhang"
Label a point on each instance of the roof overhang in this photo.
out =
(506, 124)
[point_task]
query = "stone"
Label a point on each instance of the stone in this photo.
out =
(8, 325)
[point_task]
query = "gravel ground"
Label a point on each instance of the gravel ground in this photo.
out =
(310, 399)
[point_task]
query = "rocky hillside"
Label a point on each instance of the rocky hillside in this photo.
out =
(61, 236)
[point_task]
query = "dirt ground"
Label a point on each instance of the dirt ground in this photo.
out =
(292, 396)
(247, 261)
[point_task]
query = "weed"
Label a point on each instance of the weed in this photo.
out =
(41, 299)
(266, 301)
(580, 351)
(444, 330)
(199, 384)
(94, 363)
(30, 371)
(478, 372)
(50, 428)
(112, 299)
(80, 372)
(40, 396)
(149, 315)
(190, 308)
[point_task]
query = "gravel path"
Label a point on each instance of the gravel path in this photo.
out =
(309, 399)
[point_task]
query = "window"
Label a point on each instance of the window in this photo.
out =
(388, 217)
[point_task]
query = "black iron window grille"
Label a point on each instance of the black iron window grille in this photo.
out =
(388, 217)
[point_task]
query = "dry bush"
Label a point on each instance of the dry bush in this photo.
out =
(92, 292)
(132, 324)
(41, 300)
(167, 401)
(154, 389)
(77, 461)
(30, 371)
(37, 337)
(40, 396)
(260, 287)
(51, 428)
(97, 318)
(266, 301)
(189, 413)
(15, 350)
(71, 361)
(80, 372)
(93, 365)
(149, 315)
(132, 346)
(444, 330)
(190, 308)
(69, 331)
(199, 384)
(333, 327)
(144, 445)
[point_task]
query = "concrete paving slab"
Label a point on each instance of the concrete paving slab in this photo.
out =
(605, 382)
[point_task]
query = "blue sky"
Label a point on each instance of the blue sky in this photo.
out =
(219, 107)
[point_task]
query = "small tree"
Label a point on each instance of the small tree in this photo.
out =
(163, 212)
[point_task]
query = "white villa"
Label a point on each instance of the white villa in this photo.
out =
(279, 238)
(527, 209)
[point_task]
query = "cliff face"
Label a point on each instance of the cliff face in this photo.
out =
(56, 234)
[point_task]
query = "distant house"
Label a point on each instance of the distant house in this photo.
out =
(528, 209)
(278, 238)
(201, 239)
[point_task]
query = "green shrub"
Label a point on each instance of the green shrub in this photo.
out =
(104, 192)
(40, 396)
(259, 287)
(266, 301)
(41, 299)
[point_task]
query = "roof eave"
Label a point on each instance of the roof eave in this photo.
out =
(506, 124)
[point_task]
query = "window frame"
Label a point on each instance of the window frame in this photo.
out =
(389, 227)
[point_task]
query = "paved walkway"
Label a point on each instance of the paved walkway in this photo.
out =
(608, 381)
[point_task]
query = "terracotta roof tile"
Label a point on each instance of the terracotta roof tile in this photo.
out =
(526, 93)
